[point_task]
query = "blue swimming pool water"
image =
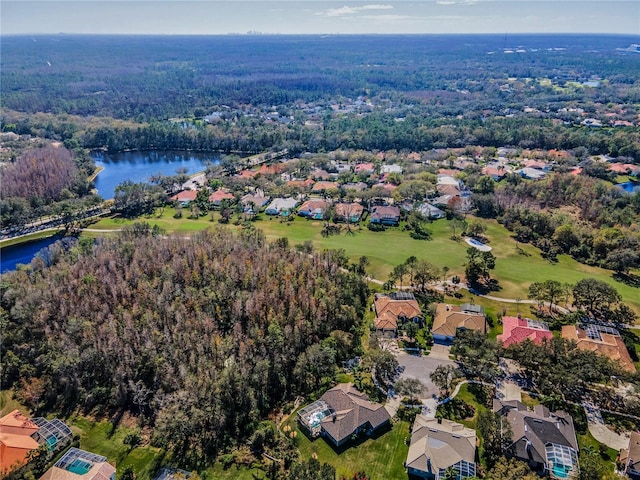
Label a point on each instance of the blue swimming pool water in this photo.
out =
(79, 467)
(561, 471)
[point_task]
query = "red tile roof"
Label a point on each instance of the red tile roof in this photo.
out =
(219, 195)
(185, 196)
(516, 330)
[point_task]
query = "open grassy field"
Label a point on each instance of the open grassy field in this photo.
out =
(517, 265)
(382, 458)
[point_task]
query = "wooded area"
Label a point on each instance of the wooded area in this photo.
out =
(202, 337)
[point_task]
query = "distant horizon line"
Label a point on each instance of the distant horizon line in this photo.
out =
(265, 34)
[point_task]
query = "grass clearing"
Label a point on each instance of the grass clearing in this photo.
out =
(98, 436)
(517, 265)
(382, 457)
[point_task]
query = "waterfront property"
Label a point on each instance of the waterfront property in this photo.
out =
(216, 198)
(342, 413)
(184, 197)
(438, 445)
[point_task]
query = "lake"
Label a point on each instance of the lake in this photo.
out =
(139, 166)
(11, 256)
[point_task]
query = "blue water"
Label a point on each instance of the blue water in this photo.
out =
(631, 187)
(79, 467)
(11, 256)
(139, 166)
(561, 471)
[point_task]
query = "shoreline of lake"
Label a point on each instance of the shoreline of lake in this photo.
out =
(138, 166)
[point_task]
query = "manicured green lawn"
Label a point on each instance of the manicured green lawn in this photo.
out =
(517, 265)
(232, 473)
(465, 395)
(9, 404)
(99, 437)
(382, 458)
(609, 457)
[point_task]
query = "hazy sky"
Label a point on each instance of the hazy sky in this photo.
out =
(320, 16)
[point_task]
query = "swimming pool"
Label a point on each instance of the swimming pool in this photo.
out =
(79, 467)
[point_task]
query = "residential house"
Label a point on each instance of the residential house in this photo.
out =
(185, 197)
(450, 190)
(537, 164)
(449, 319)
(54, 433)
(252, 201)
(532, 173)
(630, 457)
(546, 441)
(324, 186)
(497, 173)
(78, 464)
(364, 168)
(358, 186)
(602, 340)
(393, 310)
(320, 174)
(341, 413)
(591, 122)
(516, 330)
(301, 184)
(430, 211)
(16, 441)
(444, 179)
(281, 206)
(340, 166)
(624, 168)
(348, 212)
(216, 198)
(393, 168)
(314, 209)
(385, 215)
(438, 445)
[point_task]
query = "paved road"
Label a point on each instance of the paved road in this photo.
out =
(600, 431)
(420, 367)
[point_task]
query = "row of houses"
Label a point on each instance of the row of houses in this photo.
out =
(19, 436)
(396, 309)
(546, 441)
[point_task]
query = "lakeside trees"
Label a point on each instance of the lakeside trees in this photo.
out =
(207, 333)
(43, 181)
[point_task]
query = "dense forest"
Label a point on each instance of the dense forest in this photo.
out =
(162, 77)
(45, 181)
(579, 215)
(202, 337)
(307, 93)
